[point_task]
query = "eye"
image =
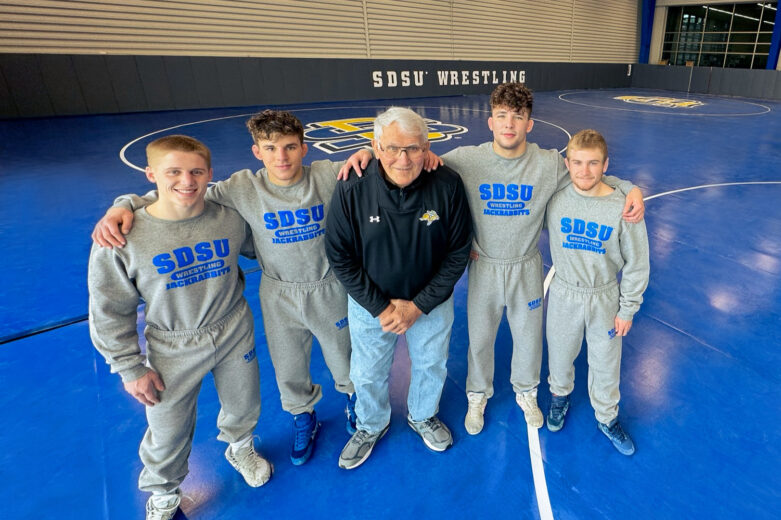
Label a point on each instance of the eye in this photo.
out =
(393, 149)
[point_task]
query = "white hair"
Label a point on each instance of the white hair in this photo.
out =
(408, 120)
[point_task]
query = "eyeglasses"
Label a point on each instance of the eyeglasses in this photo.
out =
(413, 152)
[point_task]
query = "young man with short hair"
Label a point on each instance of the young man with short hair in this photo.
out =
(285, 204)
(181, 258)
(590, 244)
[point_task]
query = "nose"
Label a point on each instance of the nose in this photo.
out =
(281, 154)
(404, 156)
(188, 178)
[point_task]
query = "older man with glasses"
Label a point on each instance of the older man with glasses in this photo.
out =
(398, 238)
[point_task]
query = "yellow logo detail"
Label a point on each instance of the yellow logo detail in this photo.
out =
(429, 217)
(658, 101)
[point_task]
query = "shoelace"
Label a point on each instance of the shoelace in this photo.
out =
(303, 434)
(557, 407)
(431, 424)
(617, 432)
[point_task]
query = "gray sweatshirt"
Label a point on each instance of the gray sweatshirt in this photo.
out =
(185, 271)
(508, 197)
(288, 222)
(590, 243)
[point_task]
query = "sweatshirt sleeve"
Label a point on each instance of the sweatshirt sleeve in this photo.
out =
(618, 184)
(441, 285)
(636, 271)
(562, 173)
(342, 251)
(113, 304)
(133, 202)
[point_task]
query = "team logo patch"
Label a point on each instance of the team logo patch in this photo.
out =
(612, 333)
(535, 304)
(374, 219)
(658, 101)
(341, 323)
(339, 135)
(249, 356)
(429, 217)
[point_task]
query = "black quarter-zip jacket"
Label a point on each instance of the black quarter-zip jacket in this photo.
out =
(387, 242)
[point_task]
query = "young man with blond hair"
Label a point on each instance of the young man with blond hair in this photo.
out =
(181, 258)
(590, 244)
(285, 204)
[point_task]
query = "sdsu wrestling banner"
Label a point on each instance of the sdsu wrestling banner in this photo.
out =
(446, 77)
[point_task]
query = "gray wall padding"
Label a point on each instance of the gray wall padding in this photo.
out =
(750, 83)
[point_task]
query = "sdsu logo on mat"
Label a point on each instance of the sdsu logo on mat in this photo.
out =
(340, 135)
(657, 101)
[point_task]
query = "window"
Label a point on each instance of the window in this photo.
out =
(721, 35)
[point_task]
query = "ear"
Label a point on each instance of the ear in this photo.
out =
(491, 123)
(150, 174)
(529, 126)
(304, 149)
(376, 147)
(604, 168)
(566, 163)
(211, 174)
(256, 152)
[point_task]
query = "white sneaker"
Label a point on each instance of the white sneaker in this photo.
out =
(531, 412)
(255, 469)
(162, 507)
(474, 414)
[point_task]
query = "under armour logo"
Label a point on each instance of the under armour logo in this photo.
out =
(374, 219)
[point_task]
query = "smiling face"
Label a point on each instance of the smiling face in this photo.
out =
(586, 168)
(401, 166)
(182, 179)
(509, 127)
(282, 155)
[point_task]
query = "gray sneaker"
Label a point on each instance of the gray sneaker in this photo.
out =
(434, 433)
(162, 507)
(359, 447)
(251, 465)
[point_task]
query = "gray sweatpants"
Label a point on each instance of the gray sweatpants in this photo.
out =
(571, 310)
(183, 358)
(493, 285)
(292, 314)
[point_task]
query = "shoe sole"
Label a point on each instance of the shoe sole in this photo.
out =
(429, 446)
(365, 455)
(298, 461)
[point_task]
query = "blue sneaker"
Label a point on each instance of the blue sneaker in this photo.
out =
(559, 404)
(349, 411)
(620, 439)
(305, 428)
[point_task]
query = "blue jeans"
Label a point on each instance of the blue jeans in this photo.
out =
(428, 341)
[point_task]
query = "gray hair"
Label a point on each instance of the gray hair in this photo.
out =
(408, 120)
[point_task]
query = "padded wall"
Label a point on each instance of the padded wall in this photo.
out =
(33, 85)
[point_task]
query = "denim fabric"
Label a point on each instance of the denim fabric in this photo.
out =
(428, 341)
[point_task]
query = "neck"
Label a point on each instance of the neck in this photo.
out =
(599, 190)
(286, 182)
(172, 212)
(509, 153)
